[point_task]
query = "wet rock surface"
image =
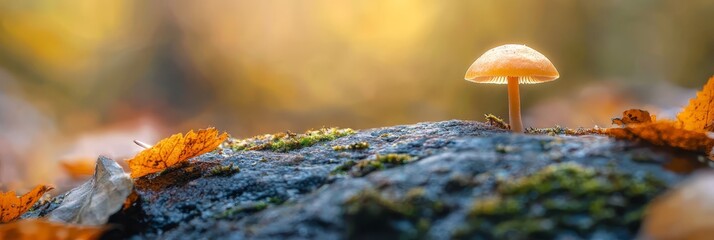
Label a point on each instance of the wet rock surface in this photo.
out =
(455, 168)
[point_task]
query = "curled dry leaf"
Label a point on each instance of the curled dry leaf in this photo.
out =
(683, 213)
(634, 116)
(664, 133)
(35, 229)
(689, 132)
(94, 201)
(175, 149)
(699, 114)
(11, 206)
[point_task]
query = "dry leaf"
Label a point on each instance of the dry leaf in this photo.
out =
(94, 201)
(683, 213)
(699, 114)
(11, 206)
(35, 229)
(634, 116)
(175, 149)
(664, 133)
(130, 200)
(78, 168)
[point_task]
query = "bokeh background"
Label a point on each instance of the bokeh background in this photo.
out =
(85, 77)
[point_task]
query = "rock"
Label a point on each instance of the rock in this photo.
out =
(462, 179)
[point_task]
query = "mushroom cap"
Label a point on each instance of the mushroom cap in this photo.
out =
(511, 60)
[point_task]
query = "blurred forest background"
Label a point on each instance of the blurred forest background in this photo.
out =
(85, 77)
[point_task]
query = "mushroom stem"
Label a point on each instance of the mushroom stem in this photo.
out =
(514, 105)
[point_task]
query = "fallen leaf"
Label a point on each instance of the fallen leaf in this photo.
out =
(94, 201)
(78, 168)
(36, 229)
(175, 149)
(699, 114)
(130, 200)
(682, 213)
(11, 206)
(665, 133)
(634, 116)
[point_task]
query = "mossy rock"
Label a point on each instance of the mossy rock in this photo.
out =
(287, 141)
(370, 215)
(379, 162)
(562, 198)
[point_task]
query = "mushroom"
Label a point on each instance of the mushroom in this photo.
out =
(512, 64)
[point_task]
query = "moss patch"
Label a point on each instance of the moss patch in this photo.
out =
(562, 198)
(241, 211)
(224, 170)
(345, 167)
(350, 147)
(283, 142)
(367, 166)
(368, 215)
(558, 130)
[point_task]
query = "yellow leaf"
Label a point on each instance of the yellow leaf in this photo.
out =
(175, 149)
(35, 229)
(665, 133)
(699, 114)
(11, 206)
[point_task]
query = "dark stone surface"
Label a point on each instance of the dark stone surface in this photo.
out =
(296, 194)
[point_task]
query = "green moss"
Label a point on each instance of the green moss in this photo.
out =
(354, 146)
(225, 170)
(345, 167)
(276, 200)
(283, 142)
(563, 197)
(367, 166)
(243, 210)
(494, 206)
(393, 158)
(370, 215)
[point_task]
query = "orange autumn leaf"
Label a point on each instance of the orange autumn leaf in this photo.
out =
(79, 168)
(12, 206)
(175, 149)
(699, 114)
(665, 133)
(634, 116)
(35, 229)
